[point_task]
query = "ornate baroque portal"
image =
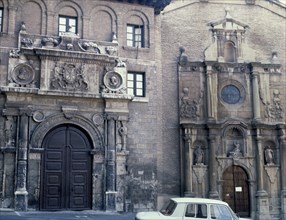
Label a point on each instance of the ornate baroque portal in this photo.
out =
(226, 107)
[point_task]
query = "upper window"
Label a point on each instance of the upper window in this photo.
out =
(1, 19)
(67, 24)
(229, 52)
(135, 35)
(136, 84)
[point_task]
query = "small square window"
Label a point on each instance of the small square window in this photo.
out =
(67, 24)
(135, 35)
(136, 84)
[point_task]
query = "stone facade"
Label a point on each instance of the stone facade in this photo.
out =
(227, 73)
(72, 137)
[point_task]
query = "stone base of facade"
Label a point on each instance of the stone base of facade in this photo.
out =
(283, 204)
(262, 202)
(21, 200)
(111, 201)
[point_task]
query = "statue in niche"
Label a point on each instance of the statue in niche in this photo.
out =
(123, 133)
(268, 155)
(9, 133)
(199, 155)
(236, 152)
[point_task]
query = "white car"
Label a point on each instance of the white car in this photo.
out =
(191, 209)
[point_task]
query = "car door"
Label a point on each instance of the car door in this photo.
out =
(196, 211)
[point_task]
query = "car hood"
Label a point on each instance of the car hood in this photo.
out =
(244, 218)
(148, 215)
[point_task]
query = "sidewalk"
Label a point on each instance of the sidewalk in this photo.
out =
(8, 214)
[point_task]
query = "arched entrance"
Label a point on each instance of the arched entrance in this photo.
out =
(236, 190)
(66, 170)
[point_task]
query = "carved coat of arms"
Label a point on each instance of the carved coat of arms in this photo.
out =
(69, 76)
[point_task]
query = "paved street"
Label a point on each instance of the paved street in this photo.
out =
(66, 215)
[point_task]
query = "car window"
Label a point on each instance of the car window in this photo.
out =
(196, 211)
(169, 208)
(220, 212)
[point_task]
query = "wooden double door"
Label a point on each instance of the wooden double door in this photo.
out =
(236, 190)
(66, 170)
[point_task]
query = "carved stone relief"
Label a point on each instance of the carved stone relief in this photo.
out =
(189, 107)
(23, 75)
(69, 76)
(113, 83)
(273, 109)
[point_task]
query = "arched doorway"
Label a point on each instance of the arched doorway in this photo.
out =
(66, 170)
(236, 190)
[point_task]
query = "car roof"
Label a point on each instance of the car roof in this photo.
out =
(198, 200)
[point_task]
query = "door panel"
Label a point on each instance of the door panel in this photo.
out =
(66, 177)
(236, 190)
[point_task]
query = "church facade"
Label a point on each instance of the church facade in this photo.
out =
(119, 105)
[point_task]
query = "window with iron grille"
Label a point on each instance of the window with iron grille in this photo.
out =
(135, 35)
(136, 84)
(1, 19)
(67, 24)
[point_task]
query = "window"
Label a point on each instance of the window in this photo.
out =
(135, 36)
(169, 208)
(1, 19)
(67, 24)
(229, 52)
(136, 84)
(220, 212)
(196, 211)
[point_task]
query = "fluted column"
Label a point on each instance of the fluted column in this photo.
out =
(188, 163)
(21, 194)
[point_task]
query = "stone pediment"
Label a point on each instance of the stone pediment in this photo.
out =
(228, 41)
(228, 24)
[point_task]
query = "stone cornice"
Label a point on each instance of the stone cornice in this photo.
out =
(158, 5)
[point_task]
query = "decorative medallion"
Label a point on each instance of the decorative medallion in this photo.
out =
(98, 119)
(113, 81)
(39, 116)
(23, 74)
(230, 94)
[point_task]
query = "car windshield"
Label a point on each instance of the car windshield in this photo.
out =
(169, 208)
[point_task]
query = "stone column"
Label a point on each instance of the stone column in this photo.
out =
(255, 96)
(21, 194)
(213, 193)
(188, 163)
(283, 171)
(111, 163)
(209, 93)
(262, 202)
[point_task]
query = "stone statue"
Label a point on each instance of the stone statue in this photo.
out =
(123, 133)
(199, 155)
(236, 152)
(268, 154)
